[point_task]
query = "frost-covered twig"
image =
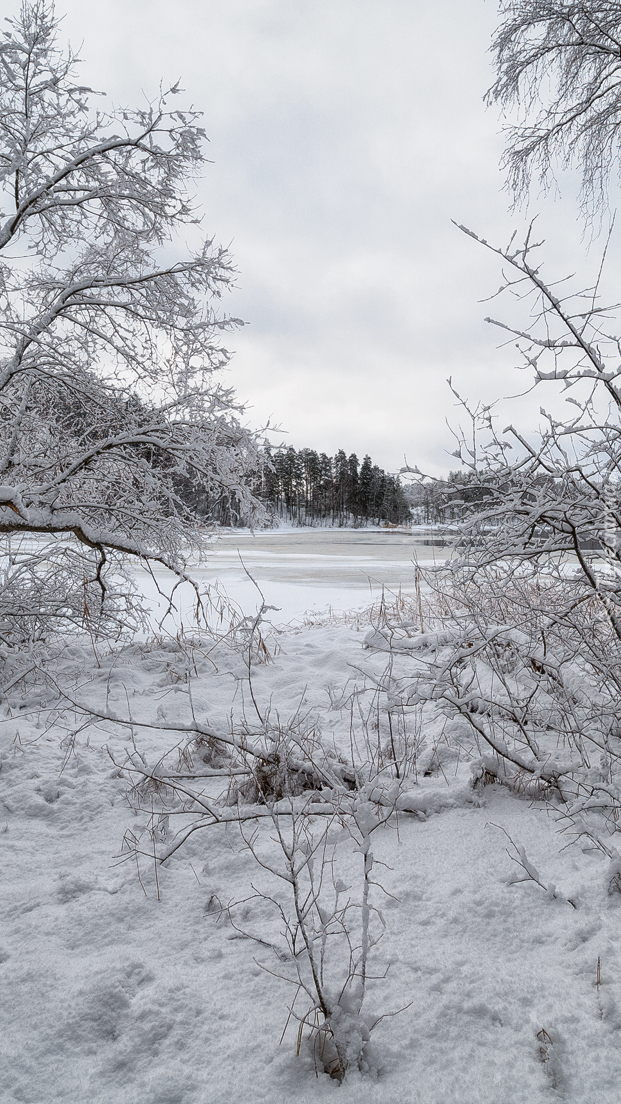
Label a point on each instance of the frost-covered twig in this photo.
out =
(517, 854)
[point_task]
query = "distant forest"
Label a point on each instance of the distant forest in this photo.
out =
(442, 501)
(311, 488)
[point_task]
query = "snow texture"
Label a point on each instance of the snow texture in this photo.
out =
(113, 995)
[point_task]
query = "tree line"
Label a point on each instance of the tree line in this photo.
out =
(442, 501)
(309, 488)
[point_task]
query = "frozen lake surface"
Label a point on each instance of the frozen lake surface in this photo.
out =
(305, 571)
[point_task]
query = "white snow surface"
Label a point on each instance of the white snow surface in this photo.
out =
(112, 996)
(303, 569)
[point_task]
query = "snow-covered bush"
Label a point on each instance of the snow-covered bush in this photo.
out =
(526, 646)
(306, 814)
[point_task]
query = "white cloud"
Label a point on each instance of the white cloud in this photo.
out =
(345, 136)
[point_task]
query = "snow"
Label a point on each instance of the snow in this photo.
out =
(114, 992)
(305, 570)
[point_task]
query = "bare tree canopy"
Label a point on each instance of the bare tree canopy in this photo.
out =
(560, 63)
(109, 409)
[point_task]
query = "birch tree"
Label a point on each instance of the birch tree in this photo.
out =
(559, 63)
(110, 337)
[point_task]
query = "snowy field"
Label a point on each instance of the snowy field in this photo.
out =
(123, 988)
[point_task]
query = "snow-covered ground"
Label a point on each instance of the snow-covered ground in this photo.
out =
(121, 990)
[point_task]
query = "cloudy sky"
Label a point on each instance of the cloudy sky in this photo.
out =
(345, 135)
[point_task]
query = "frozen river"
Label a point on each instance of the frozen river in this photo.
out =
(310, 570)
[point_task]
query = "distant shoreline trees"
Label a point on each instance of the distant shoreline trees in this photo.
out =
(444, 501)
(311, 488)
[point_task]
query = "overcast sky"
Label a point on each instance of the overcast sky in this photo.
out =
(345, 135)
